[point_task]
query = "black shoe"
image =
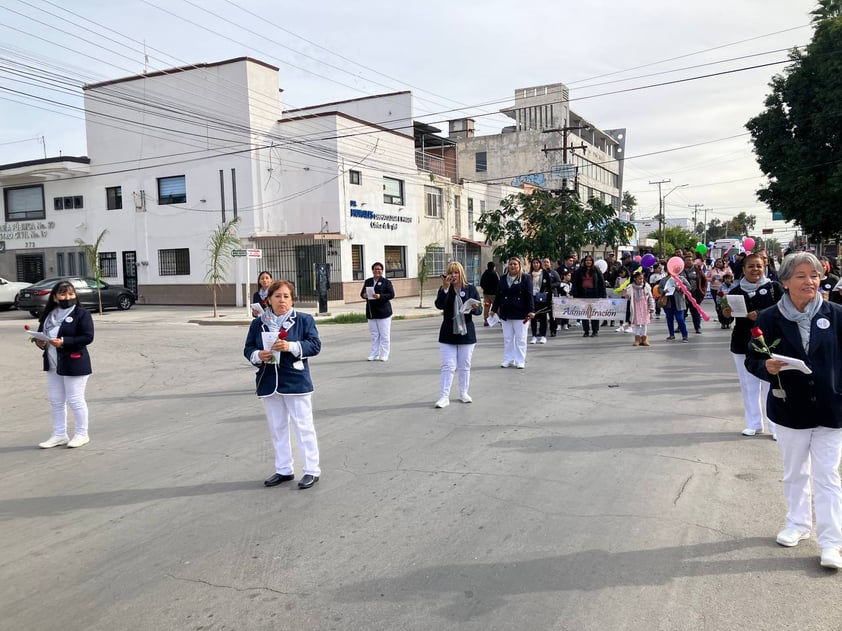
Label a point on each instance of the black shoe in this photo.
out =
(276, 479)
(552, 333)
(595, 333)
(307, 481)
(586, 334)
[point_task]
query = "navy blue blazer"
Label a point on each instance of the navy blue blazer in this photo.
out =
(378, 308)
(77, 331)
(515, 302)
(284, 378)
(445, 301)
(813, 400)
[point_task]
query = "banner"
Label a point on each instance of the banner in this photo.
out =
(589, 308)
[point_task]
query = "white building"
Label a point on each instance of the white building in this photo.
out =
(174, 153)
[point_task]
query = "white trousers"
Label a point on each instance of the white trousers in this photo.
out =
(298, 408)
(381, 333)
(640, 329)
(455, 357)
(813, 453)
(514, 340)
(65, 392)
(754, 392)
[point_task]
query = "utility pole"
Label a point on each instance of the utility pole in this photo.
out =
(565, 147)
(695, 208)
(660, 215)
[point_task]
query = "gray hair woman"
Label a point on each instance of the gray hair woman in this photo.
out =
(807, 408)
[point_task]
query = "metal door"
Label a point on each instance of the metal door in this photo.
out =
(30, 267)
(305, 276)
(130, 271)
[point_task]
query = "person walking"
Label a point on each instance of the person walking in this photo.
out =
(675, 304)
(588, 282)
(488, 282)
(655, 278)
(378, 293)
(457, 336)
(641, 307)
(807, 408)
(759, 293)
(555, 283)
(283, 381)
(542, 298)
(67, 362)
(264, 279)
(515, 307)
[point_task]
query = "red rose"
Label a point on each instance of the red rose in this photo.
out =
(26, 326)
(721, 294)
(756, 332)
(282, 334)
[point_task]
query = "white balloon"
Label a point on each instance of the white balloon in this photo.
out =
(601, 265)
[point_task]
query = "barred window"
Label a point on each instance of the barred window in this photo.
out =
(357, 262)
(108, 264)
(436, 261)
(395, 257)
(174, 262)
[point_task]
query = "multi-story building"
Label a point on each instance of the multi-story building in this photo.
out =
(173, 154)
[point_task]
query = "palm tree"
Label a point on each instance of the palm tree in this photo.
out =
(92, 254)
(220, 244)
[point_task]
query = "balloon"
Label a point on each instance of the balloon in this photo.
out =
(648, 260)
(675, 265)
(701, 248)
(748, 244)
(601, 265)
(637, 259)
(710, 245)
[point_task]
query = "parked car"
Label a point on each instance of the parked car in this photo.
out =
(33, 298)
(9, 292)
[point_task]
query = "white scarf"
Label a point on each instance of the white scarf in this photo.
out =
(751, 288)
(56, 317)
(275, 322)
(802, 318)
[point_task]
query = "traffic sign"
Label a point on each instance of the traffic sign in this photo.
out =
(254, 253)
(239, 252)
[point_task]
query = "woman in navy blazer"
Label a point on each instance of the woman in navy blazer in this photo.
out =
(516, 307)
(283, 381)
(378, 311)
(457, 336)
(67, 363)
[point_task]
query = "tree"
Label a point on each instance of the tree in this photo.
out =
(423, 274)
(675, 237)
(742, 224)
(772, 245)
(797, 141)
(629, 204)
(92, 254)
(221, 242)
(544, 223)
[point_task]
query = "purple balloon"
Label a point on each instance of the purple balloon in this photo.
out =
(648, 260)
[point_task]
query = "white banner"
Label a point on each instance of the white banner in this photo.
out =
(589, 308)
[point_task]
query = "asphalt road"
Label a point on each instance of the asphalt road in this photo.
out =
(604, 487)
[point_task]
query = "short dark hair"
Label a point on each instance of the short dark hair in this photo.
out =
(377, 264)
(490, 265)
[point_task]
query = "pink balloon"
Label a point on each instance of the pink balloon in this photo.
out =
(675, 265)
(637, 259)
(748, 244)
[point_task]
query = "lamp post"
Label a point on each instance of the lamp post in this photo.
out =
(663, 211)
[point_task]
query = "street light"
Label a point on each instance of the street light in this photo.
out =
(663, 210)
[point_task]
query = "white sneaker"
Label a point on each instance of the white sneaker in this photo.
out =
(831, 558)
(534, 340)
(53, 441)
(506, 364)
(790, 537)
(621, 329)
(465, 398)
(750, 432)
(628, 328)
(443, 402)
(542, 340)
(520, 365)
(775, 437)
(383, 358)
(78, 441)
(372, 358)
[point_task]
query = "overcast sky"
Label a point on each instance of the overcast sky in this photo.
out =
(452, 54)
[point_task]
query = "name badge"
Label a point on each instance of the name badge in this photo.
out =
(823, 323)
(69, 319)
(461, 294)
(763, 292)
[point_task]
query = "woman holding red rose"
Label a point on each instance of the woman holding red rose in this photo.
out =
(807, 408)
(759, 293)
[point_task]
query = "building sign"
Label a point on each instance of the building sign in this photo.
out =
(538, 179)
(563, 171)
(380, 221)
(26, 230)
(254, 253)
(239, 252)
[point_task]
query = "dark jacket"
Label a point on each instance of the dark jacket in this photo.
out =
(813, 400)
(489, 281)
(598, 290)
(515, 302)
(555, 281)
(378, 308)
(765, 296)
(546, 287)
(445, 301)
(77, 331)
(263, 302)
(284, 378)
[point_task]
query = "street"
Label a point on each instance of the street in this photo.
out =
(604, 487)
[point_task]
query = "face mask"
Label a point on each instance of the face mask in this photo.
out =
(64, 304)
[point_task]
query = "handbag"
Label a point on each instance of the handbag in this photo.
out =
(663, 301)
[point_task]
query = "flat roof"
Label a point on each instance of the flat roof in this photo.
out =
(32, 163)
(344, 115)
(362, 98)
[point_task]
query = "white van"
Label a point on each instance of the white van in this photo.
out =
(726, 247)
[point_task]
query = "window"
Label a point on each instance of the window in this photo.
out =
(83, 264)
(395, 260)
(457, 213)
(60, 263)
(114, 197)
(482, 161)
(432, 206)
(108, 264)
(58, 203)
(174, 262)
(470, 215)
(392, 191)
(357, 263)
(355, 177)
(172, 190)
(71, 264)
(24, 202)
(436, 261)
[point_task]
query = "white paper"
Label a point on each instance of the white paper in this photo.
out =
(493, 319)
(39, 336)
(470, 304)
(255, 306)
(269, 339)
(737, 304)
(793, 363)
(369, 293)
